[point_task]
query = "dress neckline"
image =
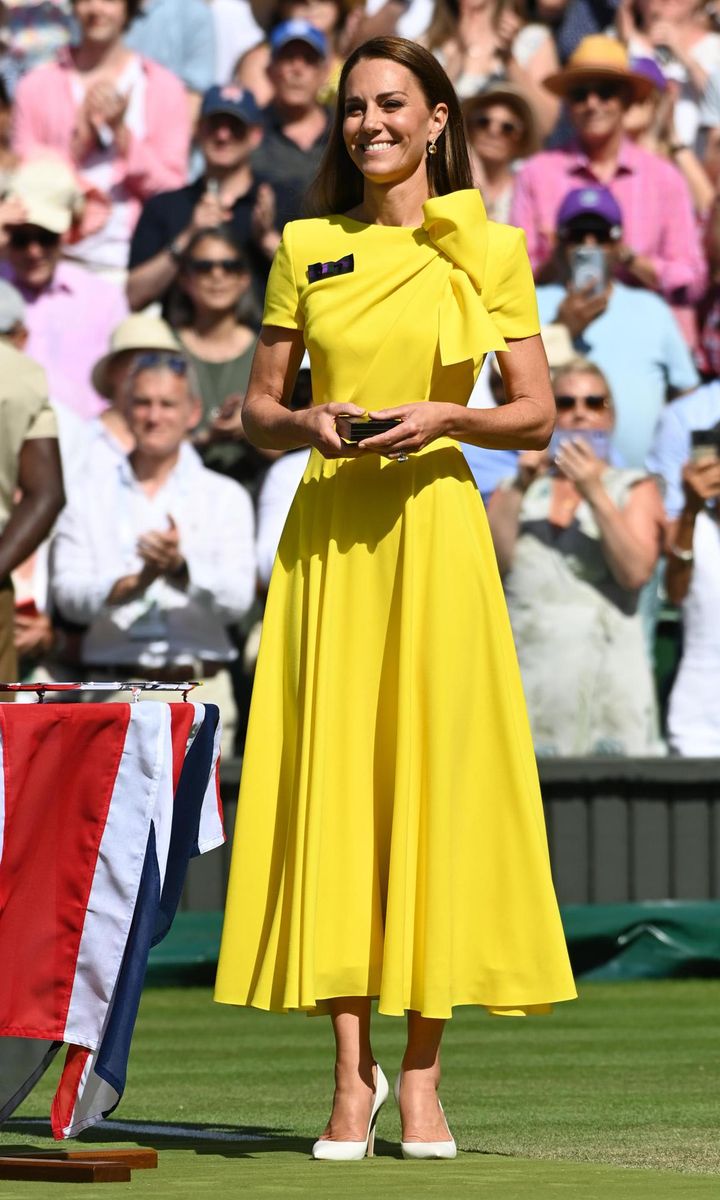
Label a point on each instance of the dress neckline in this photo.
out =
(375, 225)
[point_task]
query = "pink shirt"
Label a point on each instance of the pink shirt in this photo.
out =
(69, 324)
(45, 112)
(658, 219)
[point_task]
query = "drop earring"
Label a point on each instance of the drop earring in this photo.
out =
(432, 148)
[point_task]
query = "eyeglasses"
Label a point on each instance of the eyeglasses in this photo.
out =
(152, 359)
(20, 239)
(604, 89)
(506, 128)
(206, 266)
(566, 403)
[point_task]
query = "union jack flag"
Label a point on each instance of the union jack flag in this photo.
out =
(101, 808)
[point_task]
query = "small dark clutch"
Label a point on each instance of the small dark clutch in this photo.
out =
(356, 429)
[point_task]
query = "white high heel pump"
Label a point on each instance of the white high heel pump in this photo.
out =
(425, 1149)
(330, 1151)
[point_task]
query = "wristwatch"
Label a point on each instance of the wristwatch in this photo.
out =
(685, 556)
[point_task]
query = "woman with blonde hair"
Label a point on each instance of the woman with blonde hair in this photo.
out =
(576, 538)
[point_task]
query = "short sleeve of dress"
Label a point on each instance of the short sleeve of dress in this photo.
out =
(282, 297)
(509, 288)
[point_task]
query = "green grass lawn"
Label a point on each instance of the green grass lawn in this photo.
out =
(616, 1096)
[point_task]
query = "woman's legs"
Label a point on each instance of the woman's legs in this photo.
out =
(422, 1119)
(354, 1079)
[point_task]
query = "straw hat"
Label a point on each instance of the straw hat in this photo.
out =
(49, 191)
(138, 332)
(517, 101)
(599, 57)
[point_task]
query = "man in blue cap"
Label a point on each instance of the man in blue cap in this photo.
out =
(296, 125)
(630, 333)
(228, 192)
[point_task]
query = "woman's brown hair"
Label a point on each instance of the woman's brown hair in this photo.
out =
(338, 185)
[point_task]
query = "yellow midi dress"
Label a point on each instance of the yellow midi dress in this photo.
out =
(390, 839)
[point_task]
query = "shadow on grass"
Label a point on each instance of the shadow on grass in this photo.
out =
(228, 1141)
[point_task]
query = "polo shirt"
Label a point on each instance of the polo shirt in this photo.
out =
(288, 167)
(166, 215)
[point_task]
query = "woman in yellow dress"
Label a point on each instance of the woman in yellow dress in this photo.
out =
(390, 839)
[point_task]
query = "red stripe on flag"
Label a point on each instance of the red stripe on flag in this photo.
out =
(181, 720)
(61, 762)
(65, 1098)
(218, 796)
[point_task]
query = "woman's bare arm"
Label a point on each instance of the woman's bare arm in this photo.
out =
(505, 506)
(267, 420)
(525, 422)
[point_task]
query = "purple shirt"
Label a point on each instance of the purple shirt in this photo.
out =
(658, 219)
(69, 324)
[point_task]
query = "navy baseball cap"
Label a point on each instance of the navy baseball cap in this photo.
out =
(588, 205)
(298, 31)
(235, 101)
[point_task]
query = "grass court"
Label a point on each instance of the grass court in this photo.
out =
(615, 1097)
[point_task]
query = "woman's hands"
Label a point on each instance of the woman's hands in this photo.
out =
(105, 105)
(532, 464)
(578, 462)
(318, 424)
(420, 424)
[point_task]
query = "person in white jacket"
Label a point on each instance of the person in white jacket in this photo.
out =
(156, 555)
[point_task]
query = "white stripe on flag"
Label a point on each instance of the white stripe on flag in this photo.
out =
(143, 772)
(163, 810)
(211, 832)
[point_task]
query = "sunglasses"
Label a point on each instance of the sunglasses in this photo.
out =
(594, 403)
(577, 236)
(160, 358)
(507, 128)
(206, 266)
(20, 239)
(603, 89)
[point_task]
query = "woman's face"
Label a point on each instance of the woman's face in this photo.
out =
(640, 117)
(101, 20)
(213, 276)
(582, 402)
(387, 123)
(494, 132)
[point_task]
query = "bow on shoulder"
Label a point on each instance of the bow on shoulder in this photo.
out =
(457, 226)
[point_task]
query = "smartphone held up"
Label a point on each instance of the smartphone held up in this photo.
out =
(589, 270)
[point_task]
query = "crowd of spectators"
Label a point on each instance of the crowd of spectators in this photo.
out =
(151, 152)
